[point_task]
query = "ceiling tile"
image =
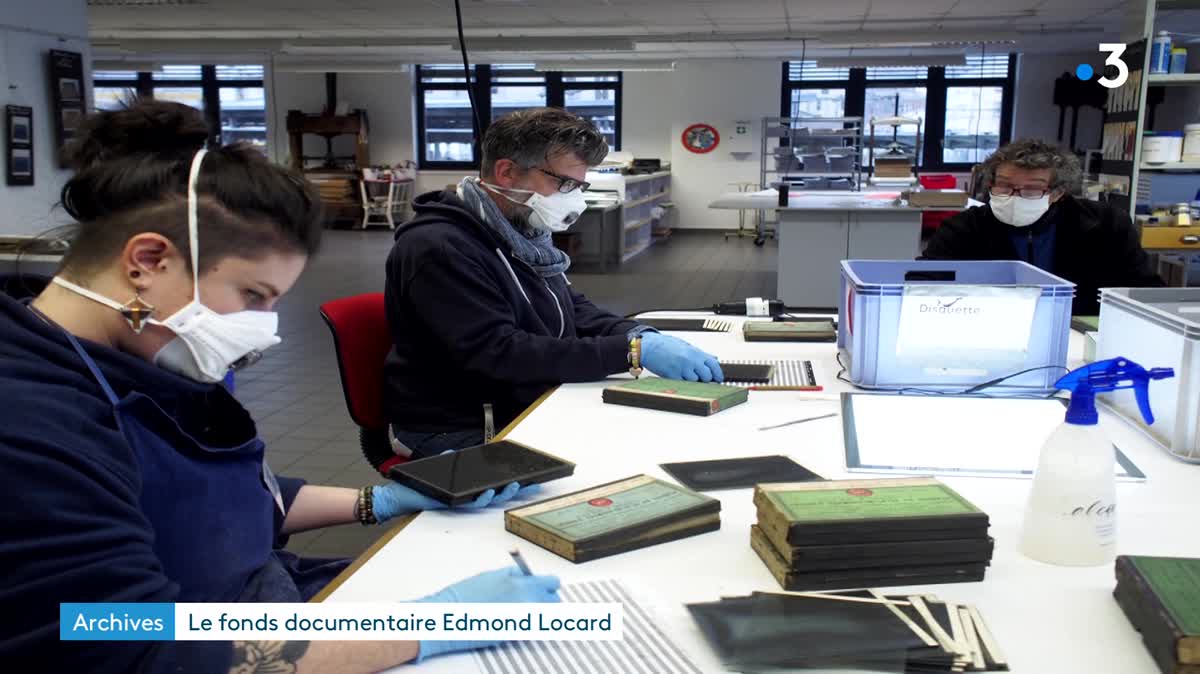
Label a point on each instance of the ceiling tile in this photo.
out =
(629, 18)
(924, 9)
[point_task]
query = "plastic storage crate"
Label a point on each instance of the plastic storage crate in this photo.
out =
(1157, 327)
(869, 322)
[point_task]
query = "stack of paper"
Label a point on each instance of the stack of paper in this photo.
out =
(644, 648)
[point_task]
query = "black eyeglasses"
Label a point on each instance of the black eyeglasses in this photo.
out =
(566, 184)
(1023, 192)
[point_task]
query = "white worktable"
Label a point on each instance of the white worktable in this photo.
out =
(1047, 618)
(812, 200)
(820, 228)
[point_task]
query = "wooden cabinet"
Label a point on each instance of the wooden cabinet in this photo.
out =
(329, 127)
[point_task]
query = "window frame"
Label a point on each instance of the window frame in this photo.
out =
(936, 84)
(483, 78)
(499, 80)
(210, 88)
(927, 137)
(1005, 116)
(481, 93)
(556, 94)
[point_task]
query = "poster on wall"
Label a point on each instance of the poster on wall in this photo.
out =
(19, 146)
(68, 95)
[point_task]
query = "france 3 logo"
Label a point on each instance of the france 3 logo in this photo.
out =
(1115, 49)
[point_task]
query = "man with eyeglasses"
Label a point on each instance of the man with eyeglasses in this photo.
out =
(1034, 215)
(482, 315)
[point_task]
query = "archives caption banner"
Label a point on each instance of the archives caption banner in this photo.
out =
(340, 622)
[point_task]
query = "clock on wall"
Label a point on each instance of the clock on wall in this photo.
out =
(700, 138)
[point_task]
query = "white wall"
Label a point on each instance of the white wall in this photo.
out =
(646, 113)
(388, 100)
(1034, 113)
(716, 92)
(60, 17)
(28, 31)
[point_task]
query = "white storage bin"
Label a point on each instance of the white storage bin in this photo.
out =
(1157, 327)
(869, 326)
(1191, 142)
(1162, 147)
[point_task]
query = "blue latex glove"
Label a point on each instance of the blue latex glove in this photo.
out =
(502, 585)
(393, 499)
(673, 358)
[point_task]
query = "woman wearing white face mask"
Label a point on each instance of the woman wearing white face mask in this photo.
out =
(1034, 215)
(482, 315)
(129, 475)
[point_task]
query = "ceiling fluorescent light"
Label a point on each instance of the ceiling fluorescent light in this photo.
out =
(107, 45)
(550, 44)
(916, 38)
(136, 66)
(895, 61)
(192, 46)
(326, 67)
(588, 66)
(346, 47)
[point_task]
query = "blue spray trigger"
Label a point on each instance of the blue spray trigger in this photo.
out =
(1108, 375)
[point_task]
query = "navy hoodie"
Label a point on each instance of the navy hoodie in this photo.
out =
(72, 528)
(472, 324)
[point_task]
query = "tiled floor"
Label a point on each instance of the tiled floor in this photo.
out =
(296, 397)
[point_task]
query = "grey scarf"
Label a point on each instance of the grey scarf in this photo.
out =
(530, 245)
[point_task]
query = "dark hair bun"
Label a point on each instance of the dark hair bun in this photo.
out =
(162, 129)
(131, 176)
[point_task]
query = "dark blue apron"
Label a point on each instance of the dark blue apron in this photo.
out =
(211, 508)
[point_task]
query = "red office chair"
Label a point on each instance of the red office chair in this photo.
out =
(362, 340)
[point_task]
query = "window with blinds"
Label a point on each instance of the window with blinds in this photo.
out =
(807, 71)
(250, 72)
(445, 122)
(232, 97)
(897, 73)
(992, 66)
(966, 109)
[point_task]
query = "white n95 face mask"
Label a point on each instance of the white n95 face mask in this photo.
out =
(206, 344)
(554, 213)
(1019, 211)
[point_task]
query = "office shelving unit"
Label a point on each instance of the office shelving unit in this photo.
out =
(1134, 108)
(1139, 106)
(637, 196)
(787, 142)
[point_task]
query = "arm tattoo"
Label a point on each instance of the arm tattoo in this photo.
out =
(267, 657)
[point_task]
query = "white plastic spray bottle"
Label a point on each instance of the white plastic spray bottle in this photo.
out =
(1071, 517)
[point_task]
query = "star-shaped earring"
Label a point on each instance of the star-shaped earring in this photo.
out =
(136, 311)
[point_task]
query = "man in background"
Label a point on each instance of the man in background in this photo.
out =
(1034, 215)
(483, 317)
